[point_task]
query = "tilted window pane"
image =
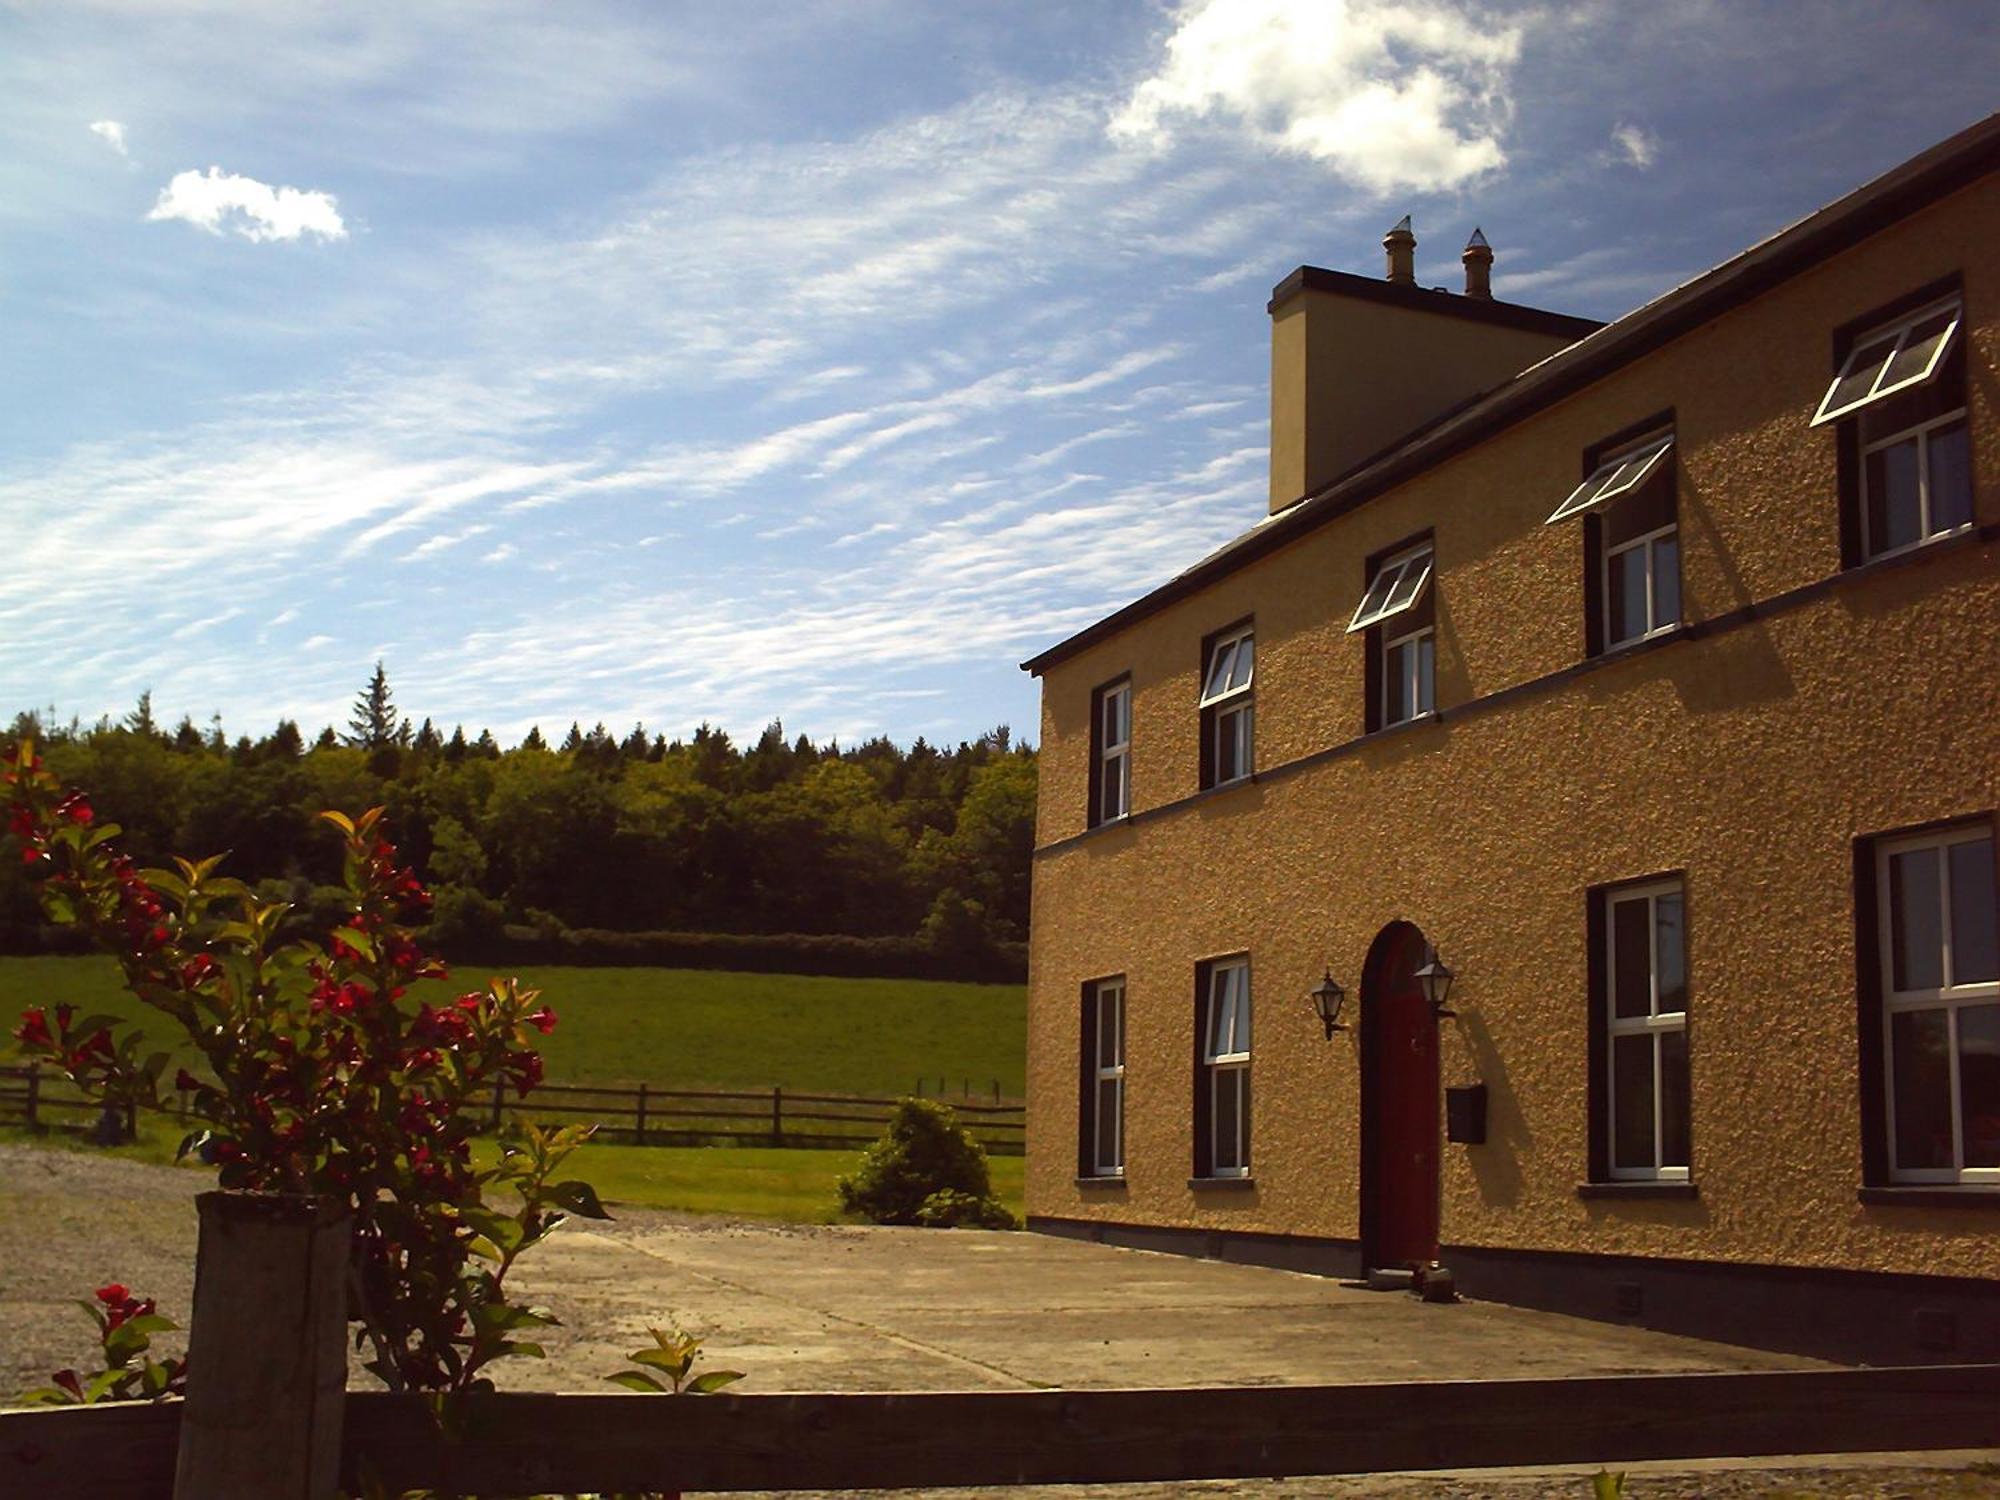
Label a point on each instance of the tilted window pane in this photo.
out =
(1916, 931)
(1666, 581)
(1975, 951)
(1669, 946)
(1218, 672)
(1242, 1010)
(1416, 573)
(1895, 511)
(1246, 657)
(1632, 962)
(1632, 1101)
(1979, 1084)
(1376, 597)
(1921, 1070)
(1864, 368)
(1921, 350)
(1673, 1099)
(1950, 460)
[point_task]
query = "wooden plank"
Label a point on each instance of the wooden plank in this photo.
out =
(521, 1444)
(124, 1451)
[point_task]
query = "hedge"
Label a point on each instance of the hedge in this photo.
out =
(759, 953)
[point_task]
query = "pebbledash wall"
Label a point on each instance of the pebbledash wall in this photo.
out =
(1807, 705)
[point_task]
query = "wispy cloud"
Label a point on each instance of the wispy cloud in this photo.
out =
(217, 200)
(1407, 95)
(112, 133)
(1634, 146)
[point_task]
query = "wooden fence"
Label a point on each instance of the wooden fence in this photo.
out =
(527, 1444)
(645, 1115)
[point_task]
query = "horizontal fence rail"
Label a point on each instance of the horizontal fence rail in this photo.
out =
(527, 1444)
(645, 1115)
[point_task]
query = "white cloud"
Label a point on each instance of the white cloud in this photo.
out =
(500, 553)
(256, 210)
(1634, 145)
(112, 133)
(1408, 95)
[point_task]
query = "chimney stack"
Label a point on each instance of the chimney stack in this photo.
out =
(1478, 260)
(1401, 244)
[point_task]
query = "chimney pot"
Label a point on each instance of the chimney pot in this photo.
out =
(1478, 260)
(1401, 245)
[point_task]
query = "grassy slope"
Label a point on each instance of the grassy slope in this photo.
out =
(690, 1028)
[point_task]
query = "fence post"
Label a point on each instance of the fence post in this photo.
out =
(499, 1098)
(267, 1355)
(777, 1115)
(639, 1116)
(34, 1095)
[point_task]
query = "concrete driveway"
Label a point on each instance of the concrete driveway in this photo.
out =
(850, 1309)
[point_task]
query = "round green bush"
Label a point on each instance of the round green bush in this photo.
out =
(923, 1151)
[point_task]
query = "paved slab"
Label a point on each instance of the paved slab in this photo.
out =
(852, 1309)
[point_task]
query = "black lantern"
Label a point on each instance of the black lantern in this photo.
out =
(1436, 979)
(1327, 998)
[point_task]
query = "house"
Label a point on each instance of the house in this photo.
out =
(1607, 720)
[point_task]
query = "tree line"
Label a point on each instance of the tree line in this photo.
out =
(596, 833)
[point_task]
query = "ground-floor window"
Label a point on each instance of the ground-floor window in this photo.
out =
(1222, 1074)
(1102, 1145)
(1937, 939)
(1639, 1031)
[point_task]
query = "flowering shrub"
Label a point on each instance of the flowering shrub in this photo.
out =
(321, 1075)
(125, 1329)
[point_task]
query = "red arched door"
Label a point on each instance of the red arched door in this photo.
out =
(1400, 1105)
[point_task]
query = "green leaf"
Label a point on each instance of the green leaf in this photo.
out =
(361, 942)
(638, 1380)
(1605, 1485)
(504, 1317)
(579, 1197)
(523, 1348)
(194, 1140)
(714, 1380)
(673, 1362)
(47, 1395)
(100, 1385)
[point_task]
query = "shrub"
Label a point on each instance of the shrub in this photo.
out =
(834, 953)
(948, 1208)
(924, 1152)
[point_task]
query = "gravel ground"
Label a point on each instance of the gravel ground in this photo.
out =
(70, 1221)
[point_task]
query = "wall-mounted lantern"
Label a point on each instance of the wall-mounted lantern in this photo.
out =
(1327, 998)
(1436, 980)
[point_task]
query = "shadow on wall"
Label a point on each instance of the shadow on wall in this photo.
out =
(1496, 1166)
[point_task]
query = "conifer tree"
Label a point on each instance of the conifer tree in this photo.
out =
(373, 723)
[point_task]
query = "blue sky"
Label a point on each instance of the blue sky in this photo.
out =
(639, 362)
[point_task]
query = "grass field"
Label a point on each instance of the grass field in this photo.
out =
(687, 1028)
(753, 1182)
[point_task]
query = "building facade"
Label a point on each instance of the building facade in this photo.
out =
(1645, 675)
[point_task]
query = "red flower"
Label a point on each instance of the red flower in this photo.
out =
(186, 1080)
(34, 1028)
(75, 808)
(114, 1294)
(543, 1020)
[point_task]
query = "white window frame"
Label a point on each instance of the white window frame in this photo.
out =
(1654, 624)
(1921, 435)
(1107, 995)
(1230, 704)
(1230, 1068)
(1653, 1024)
(1109, 753)
(1892, 337)
(1620, 474)
(1393, 581)
(1420, 686)
(1949, 997)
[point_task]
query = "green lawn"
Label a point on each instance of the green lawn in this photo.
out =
(690, 1028)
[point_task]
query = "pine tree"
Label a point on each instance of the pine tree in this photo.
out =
(455, 747)
(286, 742)
(428, 739)
(140, 720)
(373, 723)
(488, 748)
(533, 740)
(327, 740)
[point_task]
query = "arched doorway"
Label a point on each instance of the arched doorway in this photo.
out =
(1400, 1142)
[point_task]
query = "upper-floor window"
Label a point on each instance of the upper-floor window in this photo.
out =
(1640, 1023)
(1111, 752)
(1939, 945)
(1102, 1136)
(1631, 540)
(1222, 1083)
(1397, 614)
(1898, 395)
(1228, 714)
